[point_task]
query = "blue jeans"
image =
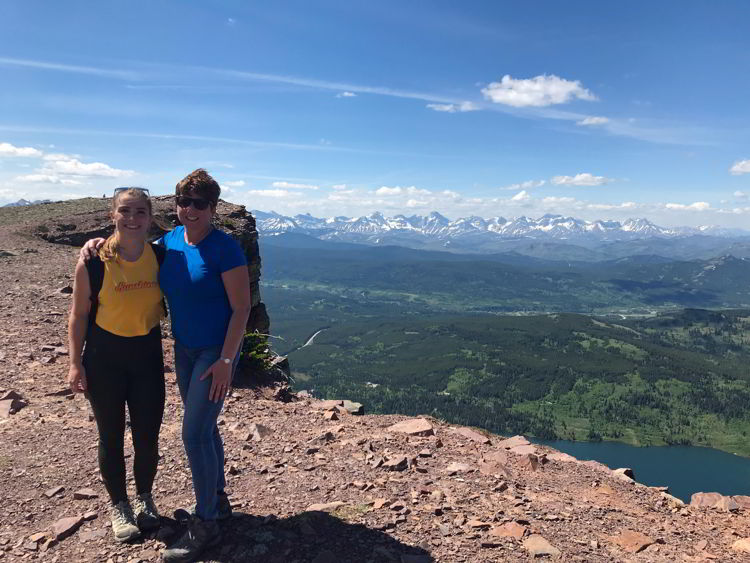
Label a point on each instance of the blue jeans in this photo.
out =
(200, 433)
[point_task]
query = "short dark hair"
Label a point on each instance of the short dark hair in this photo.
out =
(200, 183)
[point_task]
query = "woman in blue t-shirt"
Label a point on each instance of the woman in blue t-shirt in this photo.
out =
(205, 280)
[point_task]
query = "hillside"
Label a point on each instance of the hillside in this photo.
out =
(312, 483)
(678, 378)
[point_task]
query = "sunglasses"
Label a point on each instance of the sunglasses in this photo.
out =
(200, 204)
(144, 191)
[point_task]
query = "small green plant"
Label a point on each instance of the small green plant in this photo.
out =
(255, 352)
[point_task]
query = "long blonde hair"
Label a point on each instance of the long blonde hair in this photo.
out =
(111, 248)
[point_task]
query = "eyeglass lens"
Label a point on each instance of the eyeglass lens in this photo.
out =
(200, 204)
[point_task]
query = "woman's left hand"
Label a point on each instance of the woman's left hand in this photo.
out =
(221, 374)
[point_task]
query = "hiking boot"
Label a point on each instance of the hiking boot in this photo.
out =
(224, 510)
(200, 535)
(146, 515)
(123, 522)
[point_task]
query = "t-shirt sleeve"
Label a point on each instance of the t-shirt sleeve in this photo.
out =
(231, 255)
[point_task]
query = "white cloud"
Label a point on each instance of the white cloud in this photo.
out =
(339, 187)
(346, 94)
(47, 179)
(231, 21)
(398, 190)
(593, 121)
(6, 149)
(740, 167)
(697, 206)
(740, 195)
(270, 193)
(540, 91)
(235, 183)
(74, 167)
(583, 179)
(527, 185)
(523, 195)
(557, 200)
(289, 185)
(453, 108)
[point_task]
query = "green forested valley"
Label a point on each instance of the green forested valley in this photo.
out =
(675, 378)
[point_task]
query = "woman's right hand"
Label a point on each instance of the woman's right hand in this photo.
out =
(77, 378)
(89, 250)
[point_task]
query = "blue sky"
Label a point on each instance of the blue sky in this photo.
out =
(590, 109)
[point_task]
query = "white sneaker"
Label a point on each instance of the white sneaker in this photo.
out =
(123, 522)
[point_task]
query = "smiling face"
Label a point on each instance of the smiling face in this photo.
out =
(131, 216)
(195, 220)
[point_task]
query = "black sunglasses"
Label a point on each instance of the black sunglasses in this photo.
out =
(200, 204)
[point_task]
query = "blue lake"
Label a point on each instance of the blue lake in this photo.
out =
(684, 469)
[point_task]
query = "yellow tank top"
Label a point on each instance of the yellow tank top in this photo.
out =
(130, 301)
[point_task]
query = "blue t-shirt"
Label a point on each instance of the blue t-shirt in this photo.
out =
(190, 278)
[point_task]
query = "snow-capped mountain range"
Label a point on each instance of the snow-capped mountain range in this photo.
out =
(435, 228)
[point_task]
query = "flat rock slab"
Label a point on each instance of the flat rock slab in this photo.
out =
(472, 435)
(456, 467)
(538, 546)
(523, 450)
(714, 500)
(257, 432)
(508, 530)
(65, 527)
(513, 442)
(85, 494)
(743, 545)
(560, 456)
(743, 501)
(325, 507)
(398, 463)
(353, 408)
(632, 542)
(413, 427)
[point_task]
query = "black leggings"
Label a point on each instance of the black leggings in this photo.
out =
(122, 370)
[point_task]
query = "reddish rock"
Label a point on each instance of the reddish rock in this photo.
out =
(632, 542)
(513, 442)
(705, 500)
(325, 507)
(66, 527)
(742, 545)
(508, 530)
(624, 473)
(523, 450)
(398, 463)
(560, 456)
(257, 432)
(85, 494)
(330, 415)
(413, 427)
(743, 501)
(472, 435)
(456, 467)
(49, 493)
(714, 500)
(530, 462)
(538, 546)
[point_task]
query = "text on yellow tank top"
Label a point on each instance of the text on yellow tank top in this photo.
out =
(130, 301)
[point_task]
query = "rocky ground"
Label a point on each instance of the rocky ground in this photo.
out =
(309, 481)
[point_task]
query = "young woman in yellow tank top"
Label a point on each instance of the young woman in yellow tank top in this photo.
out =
(122, 363)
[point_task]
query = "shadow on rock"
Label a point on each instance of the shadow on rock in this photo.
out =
(309, 537)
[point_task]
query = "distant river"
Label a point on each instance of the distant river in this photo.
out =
(684, 469)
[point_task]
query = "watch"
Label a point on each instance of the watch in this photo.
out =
(226, 360)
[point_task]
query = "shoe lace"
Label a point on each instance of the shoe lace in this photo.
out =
(122, 514)
(146, 504)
